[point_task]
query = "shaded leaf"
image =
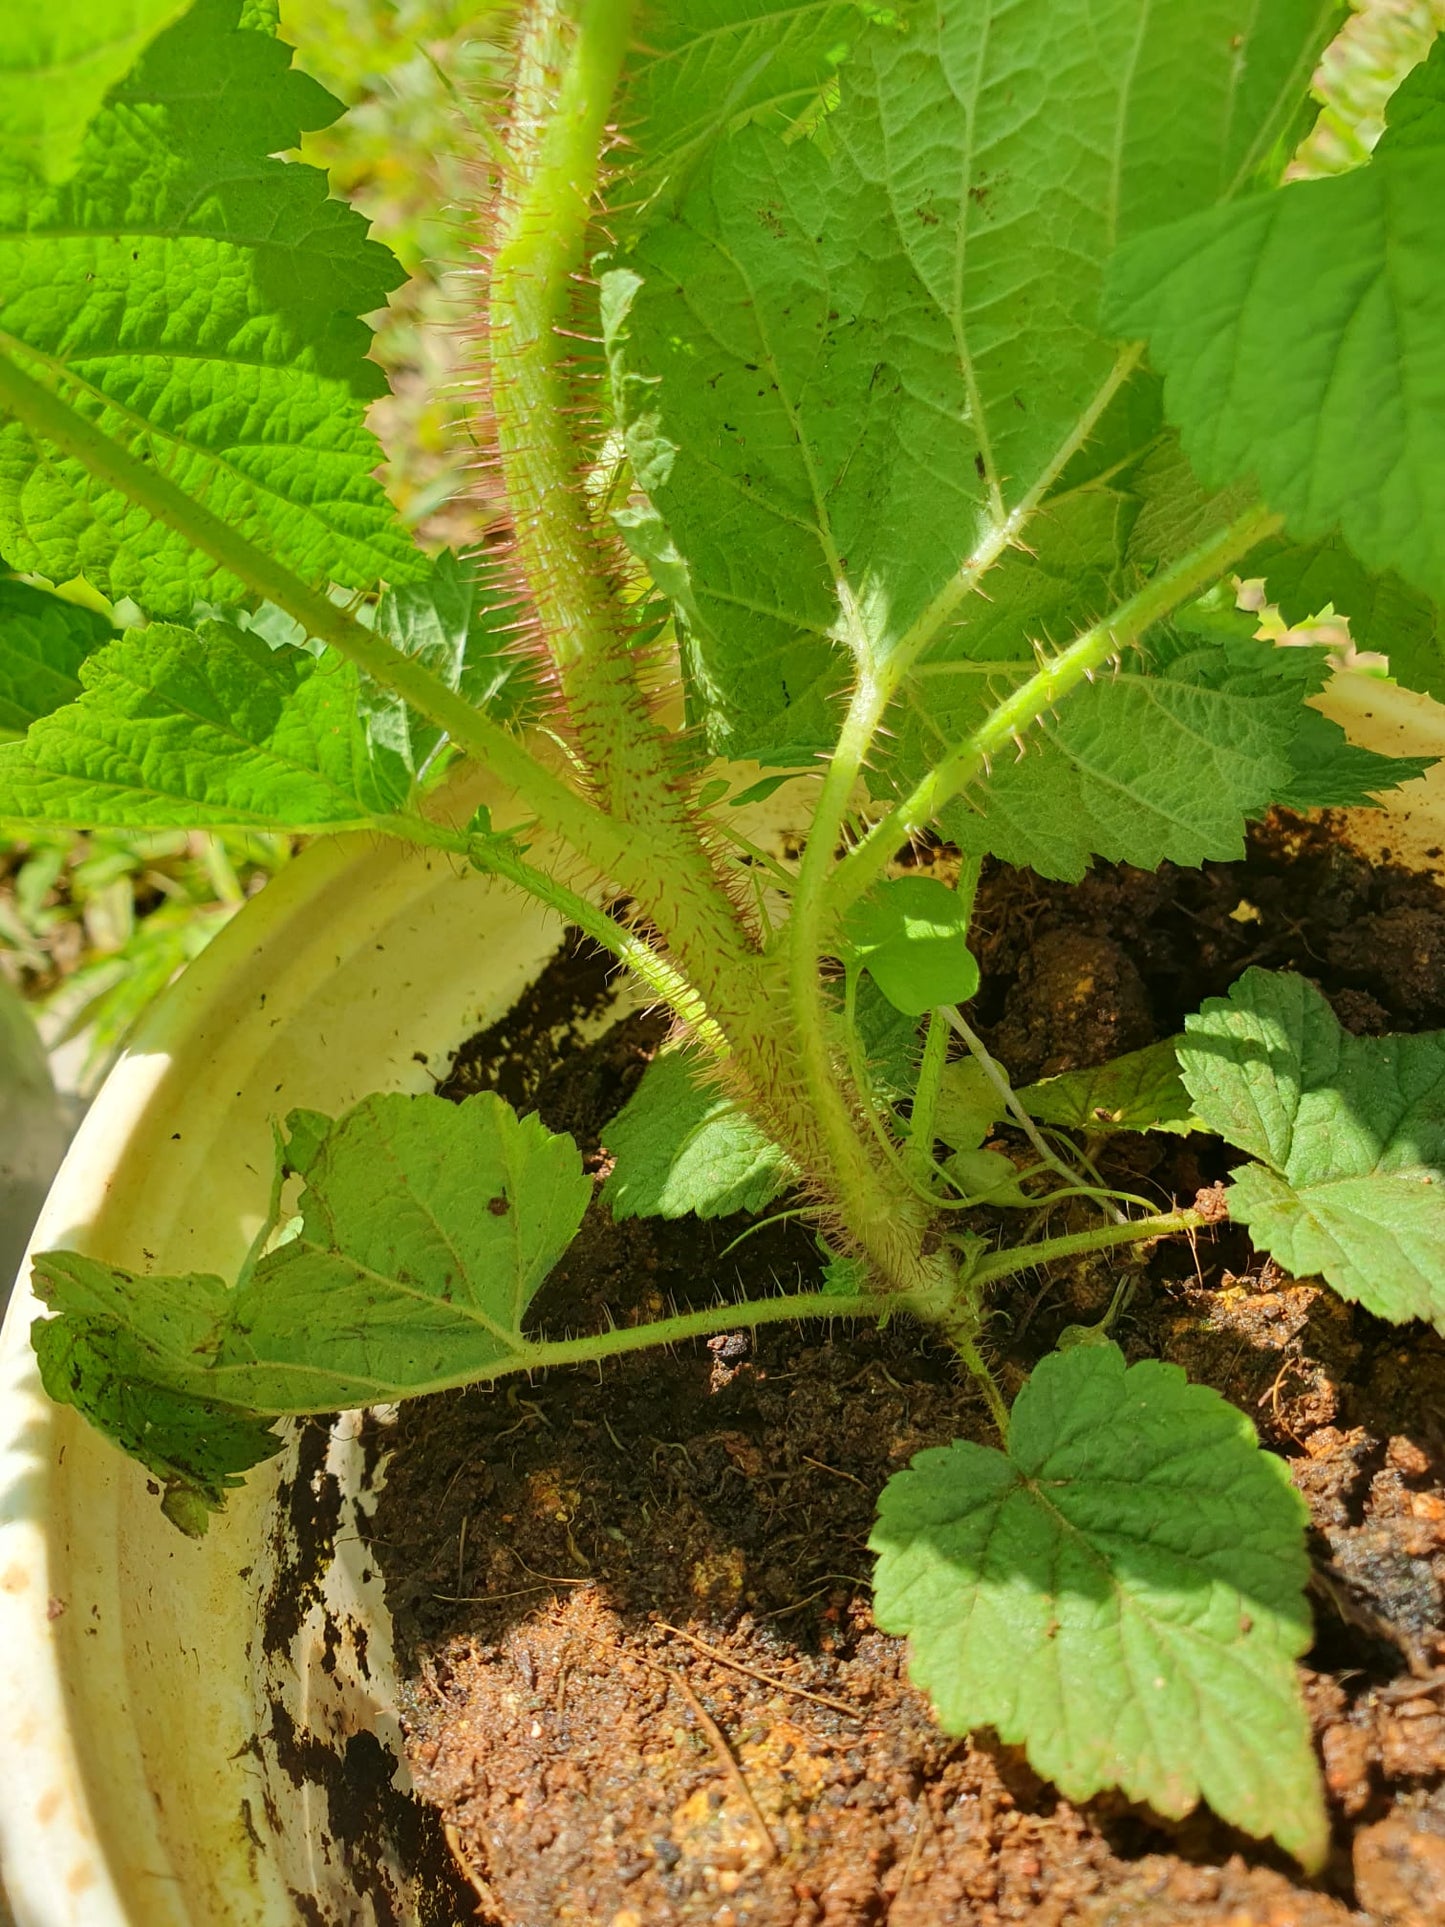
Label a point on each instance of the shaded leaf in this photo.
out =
(988, 1177)
(1350, 1134)
(197, 1448)
(1141, 1091)
(43, 641)
(681, 1145)
(458, 620)
(1122, 1593)
(1384, 613)
(968, 1105)
(57, 63)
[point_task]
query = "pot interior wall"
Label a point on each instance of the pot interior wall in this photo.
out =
(207, 1765)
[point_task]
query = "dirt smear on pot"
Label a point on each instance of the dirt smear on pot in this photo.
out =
(643, 1682)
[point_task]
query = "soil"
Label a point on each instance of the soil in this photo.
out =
(644, 1686)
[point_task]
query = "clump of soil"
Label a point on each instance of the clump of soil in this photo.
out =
(645, 1687)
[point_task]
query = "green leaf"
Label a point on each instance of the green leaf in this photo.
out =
(459, 621)
(988, 1177)
(1384, 613)
(911, 935)
(888, 1038)
(201, 729)
(1285, 322)
(58, 62)
(1141, 1091)
(969, 1105)
(306, 1133)
(1163, 761)
(43, 641)
(1350, 1134)
(681, 1145)
(426, 1229)
(197, 1448)
(1122, 1593)
(199, 300)
(705, 67)
(840, 371)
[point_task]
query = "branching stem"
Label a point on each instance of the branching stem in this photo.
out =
(996, 1076)
(500, 856)
(863, 866)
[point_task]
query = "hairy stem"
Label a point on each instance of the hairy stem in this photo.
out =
(1054, 680)
(533, 1355)
(569, 65)
(568, 70)
(918, 1154)
(1004, 1264)
(882, 1211)
(499, 856)
(973, 1358)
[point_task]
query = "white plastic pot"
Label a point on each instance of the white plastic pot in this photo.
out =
(203, 1734)
(188, 1729)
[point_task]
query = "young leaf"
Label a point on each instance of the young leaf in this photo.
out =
(842, 365)
(1350, 1134)
(426, 1229)
(988, 1177)
(1141, 1091)
(1122, 1593)
(911, 935)
(681, 1145)
(57, 64)
(968, 1105)
(197, 1448)
(199, 300)
(1284, 322)
(201, 730)
(43, 641)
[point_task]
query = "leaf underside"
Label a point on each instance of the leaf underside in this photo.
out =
(1122, 1593)
(840, 369)
(1349, 1133)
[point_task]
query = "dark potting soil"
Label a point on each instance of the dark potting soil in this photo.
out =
(644, 1686)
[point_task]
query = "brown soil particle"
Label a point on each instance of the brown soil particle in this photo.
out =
(645, 1687)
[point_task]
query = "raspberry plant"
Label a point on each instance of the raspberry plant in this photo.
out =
(881, 400)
